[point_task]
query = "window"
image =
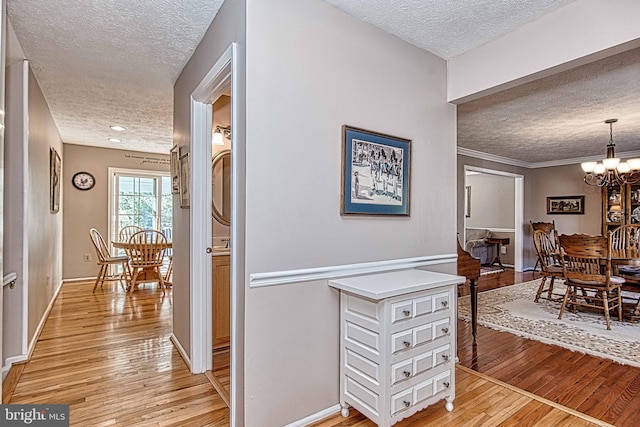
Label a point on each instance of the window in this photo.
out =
(141, 198)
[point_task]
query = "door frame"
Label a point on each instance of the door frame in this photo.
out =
(222, 76)
(518, 210)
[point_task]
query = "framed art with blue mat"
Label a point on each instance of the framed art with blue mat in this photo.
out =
(375, 173)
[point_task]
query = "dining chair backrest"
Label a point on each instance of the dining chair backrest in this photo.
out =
(102, 252)
(147, 248)
(126, 232)
(548, 227)
(626, 237)
(583, 258)
(546, 248)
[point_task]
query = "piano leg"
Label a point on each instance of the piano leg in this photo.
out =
(473, 288)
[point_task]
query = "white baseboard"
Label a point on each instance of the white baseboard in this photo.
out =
(316, 417)
(43, 320)
(10, 361)
(181, 351)
(79, 279)
(332, 272)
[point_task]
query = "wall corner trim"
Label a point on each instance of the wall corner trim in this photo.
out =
(257, 280)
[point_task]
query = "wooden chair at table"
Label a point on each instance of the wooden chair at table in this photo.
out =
(126, 232)
(583, 268)
(626, 238)
(550, 263)
(106, 260)
(550, 229)
(146, 253)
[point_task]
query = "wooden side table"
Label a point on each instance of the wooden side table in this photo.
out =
(498, 241)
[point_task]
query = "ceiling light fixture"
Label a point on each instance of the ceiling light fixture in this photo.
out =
(611, 171)
(217, 134)
(114, 140)
(118, 128)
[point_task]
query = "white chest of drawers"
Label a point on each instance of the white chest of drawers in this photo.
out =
(397, 343)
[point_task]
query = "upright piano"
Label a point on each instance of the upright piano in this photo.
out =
(469, 267)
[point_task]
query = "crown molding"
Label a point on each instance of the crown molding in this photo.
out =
(535, 165)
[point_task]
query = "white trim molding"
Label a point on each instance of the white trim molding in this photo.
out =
(275, 278)
(316, 417)
(536, 165)
(181, 350)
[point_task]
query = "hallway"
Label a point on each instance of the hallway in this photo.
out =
(109, 356)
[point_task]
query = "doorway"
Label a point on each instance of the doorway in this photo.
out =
(494, 200)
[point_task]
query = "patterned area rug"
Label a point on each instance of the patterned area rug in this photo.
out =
(511, 309)
(490, 270)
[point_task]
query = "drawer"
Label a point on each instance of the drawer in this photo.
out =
(401, 401)
(408, 309)
(441, 302)
(401, 310)
(441, 328)
(401, 371)
(402, 340)
(422, 334)
(441, 355)
(442, 382)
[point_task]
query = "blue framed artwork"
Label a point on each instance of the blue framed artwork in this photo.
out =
(375, 173)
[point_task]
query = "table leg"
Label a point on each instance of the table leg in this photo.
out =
(473, 287)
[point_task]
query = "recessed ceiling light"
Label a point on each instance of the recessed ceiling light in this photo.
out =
(114, 140)
(118, 128)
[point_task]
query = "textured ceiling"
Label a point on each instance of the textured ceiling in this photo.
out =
(447, 27)
(561, 116)
(107, 62)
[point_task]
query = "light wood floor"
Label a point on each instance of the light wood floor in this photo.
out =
(109, 356)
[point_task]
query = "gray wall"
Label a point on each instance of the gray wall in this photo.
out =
(33, 233)
(492, 201)
(330, 69)
(86, 209)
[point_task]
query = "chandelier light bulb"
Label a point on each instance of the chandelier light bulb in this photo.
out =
(599, 169)
(611, 164)
(634, 164)
(623, 167)
(588, 166)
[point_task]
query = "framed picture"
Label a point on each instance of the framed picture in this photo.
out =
(55, 167)
(565, 205)
(175, 170)
(375, 173)
(185, 173)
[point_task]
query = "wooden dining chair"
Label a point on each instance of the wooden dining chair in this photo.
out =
(106, 260)
(626, 239)
(126, 232)
(550, 262)
(548, 228)
(146, 253)
(587, 267)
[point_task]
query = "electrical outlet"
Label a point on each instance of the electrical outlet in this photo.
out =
(87, 258)
(503, 250)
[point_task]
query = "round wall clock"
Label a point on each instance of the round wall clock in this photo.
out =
(83, 181)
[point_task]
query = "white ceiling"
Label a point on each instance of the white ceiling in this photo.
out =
(115, 61)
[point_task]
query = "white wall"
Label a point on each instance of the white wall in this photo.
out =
(311, 69)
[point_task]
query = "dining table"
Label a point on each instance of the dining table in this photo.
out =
(626, 264)
(147, 274)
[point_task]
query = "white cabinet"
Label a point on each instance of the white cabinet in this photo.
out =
(397, 343)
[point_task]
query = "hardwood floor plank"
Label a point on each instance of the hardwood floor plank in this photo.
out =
(108, 355)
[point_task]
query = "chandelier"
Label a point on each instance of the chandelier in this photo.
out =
(611, 171)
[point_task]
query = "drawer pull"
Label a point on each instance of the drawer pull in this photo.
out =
(407, 344)
(446, 384)
(406, 373)
(445, 303)
(406, 404)
(445, 330)
(445, 357)
(407, 313)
